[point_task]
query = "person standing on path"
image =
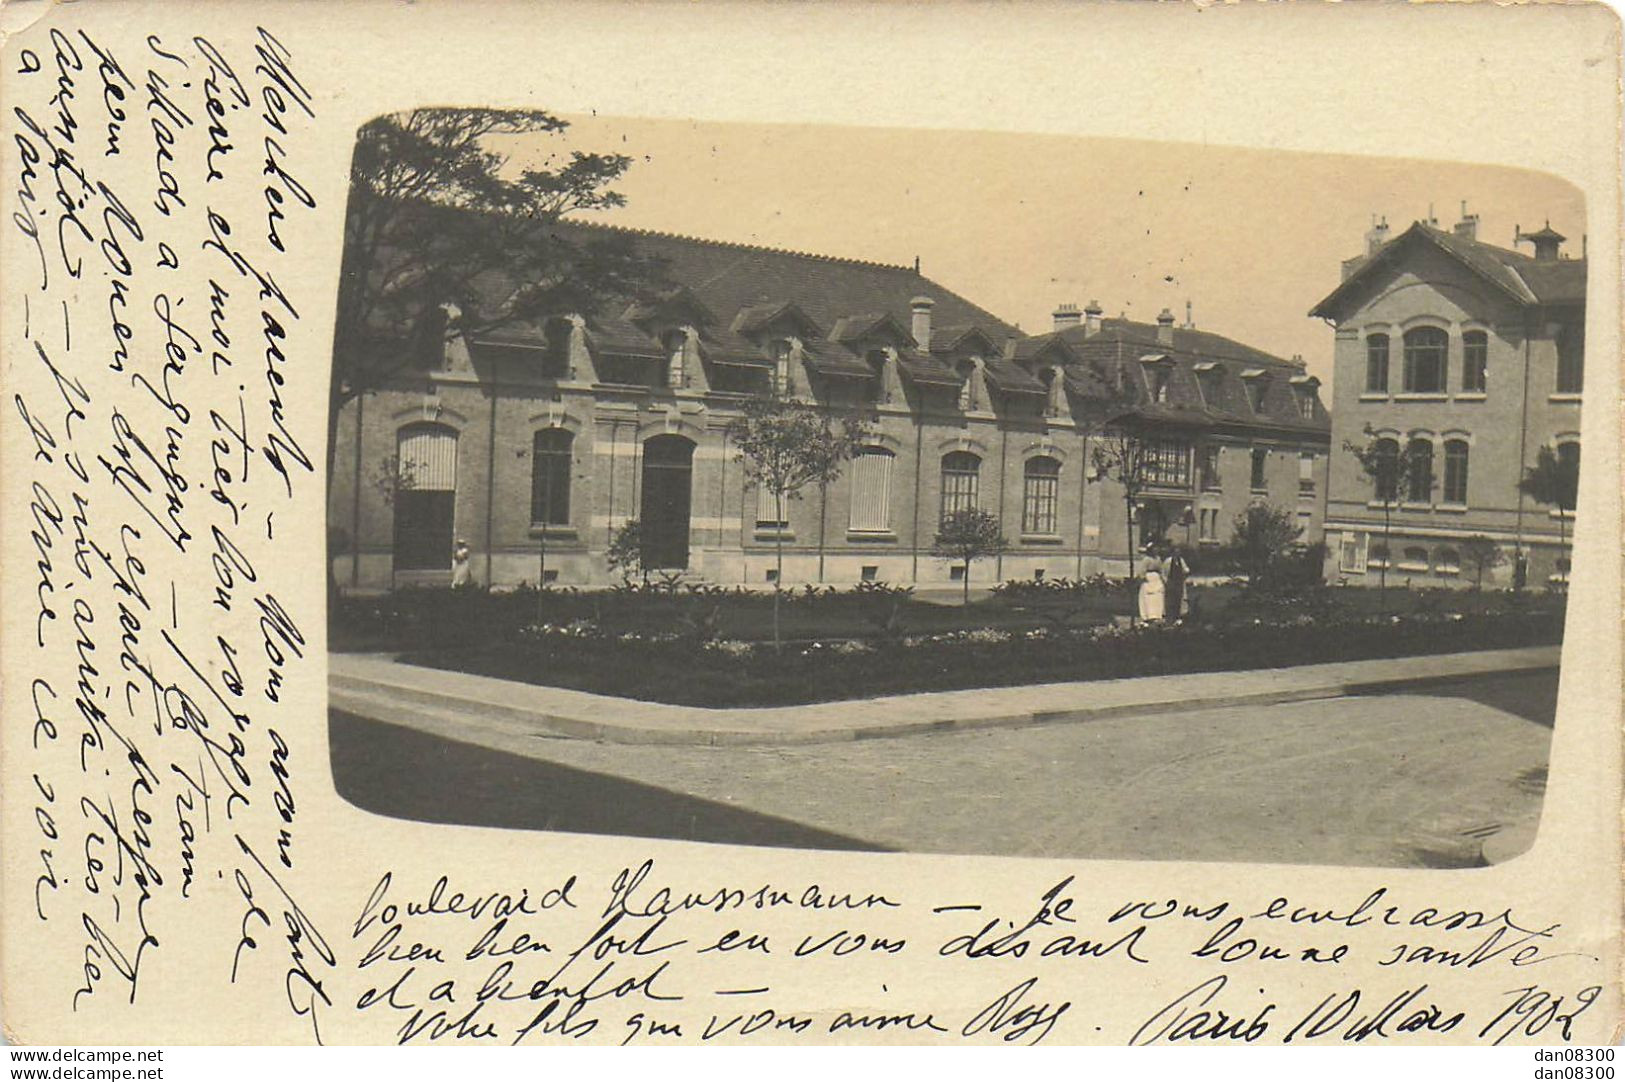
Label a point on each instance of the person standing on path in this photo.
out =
(1178, 571)
(1152, 591)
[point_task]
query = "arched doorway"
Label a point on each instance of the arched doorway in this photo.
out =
(668, 473)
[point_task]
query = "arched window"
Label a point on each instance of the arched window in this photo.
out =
(1376, 363)
(1447, 561)
(1419, 483)
(1416, 559)
(1475, 361)
(1455, 471)
(1040, 495)
(871, 490)
(550, 477)
(425, 496)
(961, 476)
(1386, 466)
(1427, 350)
(676, 359)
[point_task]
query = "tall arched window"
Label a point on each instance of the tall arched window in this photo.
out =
(425, 496)
(1455, 471)
(1427, 350)
(550, 477)
(1376, 363)
(1386, 466)
(961, 476)
(1419, 483)
(1475, 361)
(871, 490)
(1040, 492)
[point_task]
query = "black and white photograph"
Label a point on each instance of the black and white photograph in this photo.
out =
(950, 492)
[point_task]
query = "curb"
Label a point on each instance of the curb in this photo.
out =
(381, 701)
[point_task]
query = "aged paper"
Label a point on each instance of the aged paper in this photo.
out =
(180, 865)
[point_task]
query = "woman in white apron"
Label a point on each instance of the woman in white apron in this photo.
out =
(1153, 595)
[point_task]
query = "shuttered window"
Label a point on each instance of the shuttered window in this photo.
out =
(871, 490)
(428, 458)
(767, 508)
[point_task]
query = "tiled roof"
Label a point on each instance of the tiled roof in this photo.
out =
(727, 278)
(1519, 276)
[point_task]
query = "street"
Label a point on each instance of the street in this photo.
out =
(1409, 780)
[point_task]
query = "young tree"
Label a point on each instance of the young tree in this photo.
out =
(625, 553)
(969, 535)
(1553, 481)
(1120, 455)
(1389, 467)
(433, 212)
(1262, 536)
(786, 445)
(1483, 554)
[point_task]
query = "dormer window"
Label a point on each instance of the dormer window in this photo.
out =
(782, 351)
(1159, 385)
(556, 357)
(1258, 387)
(676, 360)
(967, 384)
(876, 359)
(1208, 378)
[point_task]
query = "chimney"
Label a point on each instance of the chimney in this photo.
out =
(1548, 242)
(921, 329)
(1468, 226)
(1190, 320)
(1091, 319)
(1165, 327)
(1377, 236)
(1067, 315)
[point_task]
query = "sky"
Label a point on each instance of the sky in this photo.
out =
(1018, 224)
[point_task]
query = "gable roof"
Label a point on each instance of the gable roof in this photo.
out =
(1520, 277)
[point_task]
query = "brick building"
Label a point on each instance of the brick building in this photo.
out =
(1472, 355)
(536, 442)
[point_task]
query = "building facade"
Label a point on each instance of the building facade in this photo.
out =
(1470, 357)
(533, 444)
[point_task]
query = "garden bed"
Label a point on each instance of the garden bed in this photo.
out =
(673, 668)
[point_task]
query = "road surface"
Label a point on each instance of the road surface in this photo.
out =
(1417, 779)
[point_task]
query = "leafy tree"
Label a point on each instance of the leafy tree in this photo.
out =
(436, 220)
(1389, 467)
(969, 535)
(1553, 481)
(626, 552)
(1261, 539)
(1120, 454)
(786, 445)
(1483, 554)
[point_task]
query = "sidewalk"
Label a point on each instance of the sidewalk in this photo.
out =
(374, 686)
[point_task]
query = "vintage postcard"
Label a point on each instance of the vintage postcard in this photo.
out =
(539, 524)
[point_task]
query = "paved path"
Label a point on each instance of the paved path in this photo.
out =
(375, 686)
(1419, 778)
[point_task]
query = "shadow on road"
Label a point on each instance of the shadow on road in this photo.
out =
(403, 773)
(1528, 695)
